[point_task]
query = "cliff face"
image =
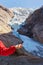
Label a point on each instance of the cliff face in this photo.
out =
(34, 24)
(5, 16)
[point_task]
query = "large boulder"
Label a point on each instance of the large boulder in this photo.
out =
(34, 19)
(9, 39)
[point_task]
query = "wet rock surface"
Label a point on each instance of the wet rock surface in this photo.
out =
(33, 21)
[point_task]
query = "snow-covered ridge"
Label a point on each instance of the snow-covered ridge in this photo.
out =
(20, 14)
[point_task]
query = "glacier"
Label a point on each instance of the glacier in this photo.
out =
(30, 45)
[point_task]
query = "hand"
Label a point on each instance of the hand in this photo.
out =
(18, 46)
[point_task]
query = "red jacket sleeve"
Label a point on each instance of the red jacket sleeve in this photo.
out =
(4, 51)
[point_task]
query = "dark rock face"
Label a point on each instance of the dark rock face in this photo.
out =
(38, 32)
(33, 21)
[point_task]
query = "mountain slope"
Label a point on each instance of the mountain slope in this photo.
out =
(5, 16)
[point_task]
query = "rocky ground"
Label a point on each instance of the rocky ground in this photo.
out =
(18, 60)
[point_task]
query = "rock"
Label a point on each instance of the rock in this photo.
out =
(4, 28)
(20, 60)
(38, 32)
(9, 39)
(5, 16)
(34, 19)
(25, 60)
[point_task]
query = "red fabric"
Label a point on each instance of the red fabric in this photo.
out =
(4, 51)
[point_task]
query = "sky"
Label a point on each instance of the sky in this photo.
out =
(22, 3)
